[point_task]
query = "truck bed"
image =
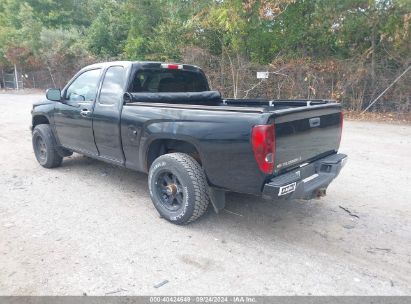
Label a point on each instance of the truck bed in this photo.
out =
(305, 130)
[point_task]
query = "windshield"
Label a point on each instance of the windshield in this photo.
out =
(166, 80)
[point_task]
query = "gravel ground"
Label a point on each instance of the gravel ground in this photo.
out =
(89, 227)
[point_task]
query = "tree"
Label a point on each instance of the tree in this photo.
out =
(62, 48)
(107, 34)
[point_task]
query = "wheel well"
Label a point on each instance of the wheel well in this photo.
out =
(164, 146)
(40, 119)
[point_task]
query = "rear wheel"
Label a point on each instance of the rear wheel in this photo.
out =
(178, 188)
(44, 146)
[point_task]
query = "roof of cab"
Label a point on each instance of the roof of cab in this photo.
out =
(128, 63)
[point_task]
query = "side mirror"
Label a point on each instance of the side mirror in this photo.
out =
(53, 94)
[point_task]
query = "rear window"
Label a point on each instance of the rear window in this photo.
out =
(165, 80)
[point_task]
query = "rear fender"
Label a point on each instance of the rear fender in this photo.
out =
(184, 138)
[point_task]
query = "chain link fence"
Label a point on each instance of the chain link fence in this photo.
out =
(346, 82)
(38, 79)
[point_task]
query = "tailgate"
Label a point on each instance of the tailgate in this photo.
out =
(305, 134)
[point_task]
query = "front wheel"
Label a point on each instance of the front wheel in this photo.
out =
(44, 146)
(178, 188)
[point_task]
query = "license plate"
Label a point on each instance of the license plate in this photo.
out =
(287, 189)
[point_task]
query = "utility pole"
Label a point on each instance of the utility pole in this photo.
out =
(16, 78)
(4, 79)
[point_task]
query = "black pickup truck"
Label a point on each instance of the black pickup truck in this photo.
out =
(163, 119)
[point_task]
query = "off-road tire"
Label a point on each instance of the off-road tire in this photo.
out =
(192, 178)
(48, 156)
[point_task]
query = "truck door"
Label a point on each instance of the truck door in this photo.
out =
(73, 116)
(106, 115)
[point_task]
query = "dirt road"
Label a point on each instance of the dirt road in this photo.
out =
(89, 227)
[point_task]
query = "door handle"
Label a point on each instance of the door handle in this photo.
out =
(85, 112)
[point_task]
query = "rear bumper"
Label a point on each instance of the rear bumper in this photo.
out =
(306, 182)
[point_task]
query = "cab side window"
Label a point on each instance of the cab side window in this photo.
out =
(84, 87)
(113, 84)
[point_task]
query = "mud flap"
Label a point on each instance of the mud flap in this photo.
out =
(217, 198)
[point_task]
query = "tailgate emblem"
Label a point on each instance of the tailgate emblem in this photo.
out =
(314, 122)
(287, 189)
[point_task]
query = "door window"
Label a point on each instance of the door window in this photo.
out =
(84, 88)
(113, 84)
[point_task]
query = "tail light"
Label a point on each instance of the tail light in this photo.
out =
(263, 142)
(172, 66)
(341, 127)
